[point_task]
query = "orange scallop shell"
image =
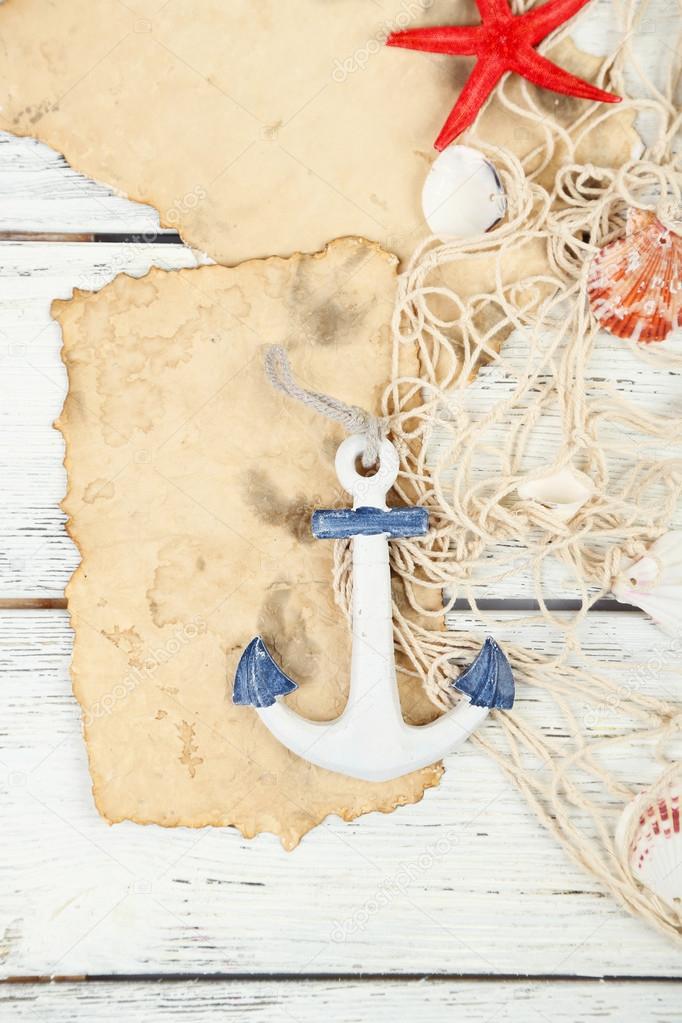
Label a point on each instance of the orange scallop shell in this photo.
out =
(635, 283)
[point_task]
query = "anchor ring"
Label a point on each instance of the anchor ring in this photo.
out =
(370, 490)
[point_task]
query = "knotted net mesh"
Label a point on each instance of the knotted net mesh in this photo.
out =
(517, 381)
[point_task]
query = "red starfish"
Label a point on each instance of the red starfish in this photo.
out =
(504, 42)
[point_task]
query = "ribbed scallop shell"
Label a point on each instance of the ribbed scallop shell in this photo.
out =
(635, 283)
(654, 583)
(653, 824)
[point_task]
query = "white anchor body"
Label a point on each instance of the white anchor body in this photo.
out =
(370, 740)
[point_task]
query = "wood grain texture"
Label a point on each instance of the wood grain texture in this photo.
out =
(37, 558)
(350, 1001)
(465, 882)
(39, 192)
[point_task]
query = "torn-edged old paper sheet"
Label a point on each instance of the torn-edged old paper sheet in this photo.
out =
(191, 485)
(269, 127)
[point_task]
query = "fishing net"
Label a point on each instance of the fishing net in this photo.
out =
(509, 373)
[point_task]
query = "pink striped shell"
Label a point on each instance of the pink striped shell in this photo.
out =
(635, 282)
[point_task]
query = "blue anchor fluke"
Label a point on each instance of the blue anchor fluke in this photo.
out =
(259, 680)
(488, 682)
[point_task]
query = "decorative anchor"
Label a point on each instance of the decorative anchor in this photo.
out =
(370, 740)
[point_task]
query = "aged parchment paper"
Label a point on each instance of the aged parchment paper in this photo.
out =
(260, 127)
(191, 488)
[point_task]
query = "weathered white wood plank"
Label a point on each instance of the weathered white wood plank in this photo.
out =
(465, 882)
(429, 1001)
(36, 556)
(40, 192)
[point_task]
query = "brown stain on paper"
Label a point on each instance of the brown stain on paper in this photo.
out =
(188, 757)
(205, 541)
(270, 506)
(99, 490)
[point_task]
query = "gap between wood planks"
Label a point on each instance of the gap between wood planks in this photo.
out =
(173, 238)
(325, 978)
(488, 604)
(148, 238)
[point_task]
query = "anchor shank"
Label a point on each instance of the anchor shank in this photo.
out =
(373, 689)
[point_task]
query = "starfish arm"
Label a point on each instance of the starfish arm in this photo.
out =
(481, 82)
(494, 10)
(537, 69)
(542, 20)
(450, 39)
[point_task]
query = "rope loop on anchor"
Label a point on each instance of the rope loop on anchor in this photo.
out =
(351, 417)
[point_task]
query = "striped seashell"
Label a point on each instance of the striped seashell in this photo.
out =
(635, 283)
(649, 839)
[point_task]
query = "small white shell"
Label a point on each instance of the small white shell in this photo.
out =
(563, 492)
(462, 194)
(649, 840)
(654, 583)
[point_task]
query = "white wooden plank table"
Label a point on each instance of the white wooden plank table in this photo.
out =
(429, 1001)
(461, 904)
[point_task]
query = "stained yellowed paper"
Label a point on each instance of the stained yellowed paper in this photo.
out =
(261, 128)
(191, 484)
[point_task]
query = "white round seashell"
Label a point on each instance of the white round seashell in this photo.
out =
(649, 839)
(462, 195)
(654, 583)
(563, 492)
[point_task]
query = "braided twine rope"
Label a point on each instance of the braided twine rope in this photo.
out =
(568, 743)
